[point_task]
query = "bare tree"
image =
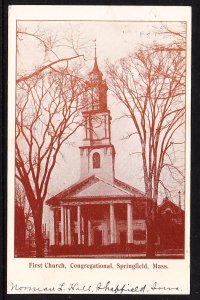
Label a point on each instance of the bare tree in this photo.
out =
(151, 85)
(47, 114)
(48, 45)
(173, 39)
(48, 105)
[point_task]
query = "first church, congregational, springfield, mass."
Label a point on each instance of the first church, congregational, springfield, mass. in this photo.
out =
(99, 214)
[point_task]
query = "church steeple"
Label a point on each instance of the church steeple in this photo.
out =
(96, 87)
(97, 152)
(96, 75)
(95, 70)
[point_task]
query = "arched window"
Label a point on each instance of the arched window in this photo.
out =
(96, 160)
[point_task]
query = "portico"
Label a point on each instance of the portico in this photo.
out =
(84, 225)
(99, 219)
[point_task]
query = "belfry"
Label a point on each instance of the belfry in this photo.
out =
(99, 214)
(97, 151)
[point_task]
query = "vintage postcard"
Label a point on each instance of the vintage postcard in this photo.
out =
(99, 150)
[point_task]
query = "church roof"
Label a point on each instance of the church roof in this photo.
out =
(168, 204)
(96, 187)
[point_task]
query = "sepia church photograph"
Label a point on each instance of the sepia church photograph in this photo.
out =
(100, 139)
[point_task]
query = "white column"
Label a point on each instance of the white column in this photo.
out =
(129, 224)
(82, 231)
(52, 238)
(69, 238)
(89, 233)
(65, 212)
(115, 230)
(112, 224)
(62, 225)
(107, 126)
(79, 224)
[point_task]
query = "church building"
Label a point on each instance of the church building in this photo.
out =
(99, 213)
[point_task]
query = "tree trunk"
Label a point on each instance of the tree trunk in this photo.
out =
(151, 232)
(152, 226)
(150, 223)
(150, 250)
(20, 230)
(155, 193)
(148, 191)
(38, 230)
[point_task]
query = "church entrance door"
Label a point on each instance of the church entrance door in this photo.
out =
(98, 238)
(123, 238)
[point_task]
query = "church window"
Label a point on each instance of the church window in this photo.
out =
(96, 160)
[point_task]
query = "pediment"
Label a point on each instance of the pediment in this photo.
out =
(94, 187)
(100, 189)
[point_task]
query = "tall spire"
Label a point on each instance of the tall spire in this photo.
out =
(96, 98)
(95, 69)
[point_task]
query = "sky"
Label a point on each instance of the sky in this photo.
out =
(114, 40)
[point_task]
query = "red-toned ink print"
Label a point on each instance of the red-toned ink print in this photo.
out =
(100, 151)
